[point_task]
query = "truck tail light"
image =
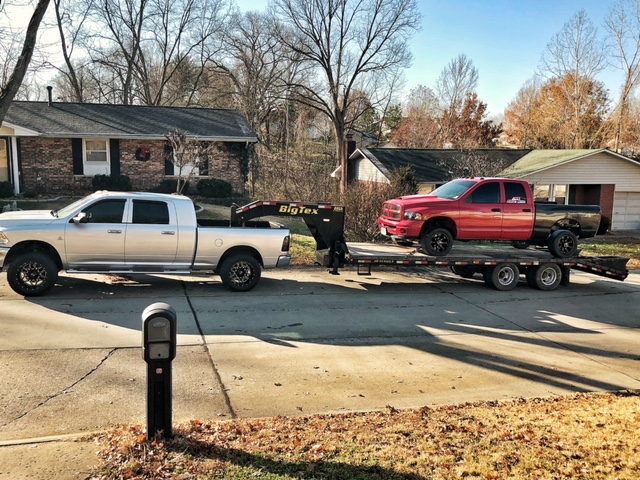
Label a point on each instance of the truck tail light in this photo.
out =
(286, 243)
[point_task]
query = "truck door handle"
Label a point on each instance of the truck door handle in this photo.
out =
(526, 210)
(168, 232)
(496, 210)
(114, 231)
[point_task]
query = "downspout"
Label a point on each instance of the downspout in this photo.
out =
(14, 164)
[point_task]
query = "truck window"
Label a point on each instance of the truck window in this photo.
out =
(150, 213)
(105, 211)
(515, 192)
(486, 193)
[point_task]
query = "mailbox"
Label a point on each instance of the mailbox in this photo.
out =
(159, 324)
(159, 332)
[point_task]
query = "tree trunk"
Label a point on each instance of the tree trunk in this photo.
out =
(8, 91)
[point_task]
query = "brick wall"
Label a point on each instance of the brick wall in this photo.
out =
(47, 166)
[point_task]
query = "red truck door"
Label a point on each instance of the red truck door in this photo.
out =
(481, 214)
(517, 212)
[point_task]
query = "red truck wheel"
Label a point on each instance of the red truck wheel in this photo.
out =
(437, 242)
(563, 244)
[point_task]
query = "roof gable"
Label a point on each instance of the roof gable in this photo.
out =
(124, 121)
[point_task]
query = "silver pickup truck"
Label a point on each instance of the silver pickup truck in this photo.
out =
(125, 233)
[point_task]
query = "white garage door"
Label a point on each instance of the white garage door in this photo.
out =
(626, 211)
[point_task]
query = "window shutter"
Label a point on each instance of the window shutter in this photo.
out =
(168, 165)
(114, 153)
(76, 152)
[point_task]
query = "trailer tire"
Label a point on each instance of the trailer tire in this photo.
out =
(437, 242)
(32, 274)
(545, 277)
(240, 273)
(563, 244)
(464, 271)
(503, 276)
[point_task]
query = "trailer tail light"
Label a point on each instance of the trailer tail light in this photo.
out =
(286, 243)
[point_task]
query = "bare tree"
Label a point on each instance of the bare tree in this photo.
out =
(9, 88)
(576, 52)
(344, 43)
(458, 79)
(188, 156)
(623, 24)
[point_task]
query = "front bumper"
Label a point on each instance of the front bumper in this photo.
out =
(402, 229)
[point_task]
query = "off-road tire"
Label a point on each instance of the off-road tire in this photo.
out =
(240, 273)
(32, 274)
(563, 244)
(437, 242)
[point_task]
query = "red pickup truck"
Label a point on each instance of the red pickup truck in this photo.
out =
(487, 209)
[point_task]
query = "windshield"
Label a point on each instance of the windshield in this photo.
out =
(64, 211)
(453, 190)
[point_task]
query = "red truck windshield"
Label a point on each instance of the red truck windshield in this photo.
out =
(453, 190)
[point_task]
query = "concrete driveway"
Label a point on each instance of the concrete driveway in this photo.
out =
(304, 341)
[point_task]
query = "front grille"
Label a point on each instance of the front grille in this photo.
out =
(391, 210)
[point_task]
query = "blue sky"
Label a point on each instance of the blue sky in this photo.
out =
(504, 38)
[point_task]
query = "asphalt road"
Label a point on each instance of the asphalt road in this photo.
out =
(304, 341)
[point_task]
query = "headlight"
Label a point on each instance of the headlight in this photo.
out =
(412, 216)
(3, 238)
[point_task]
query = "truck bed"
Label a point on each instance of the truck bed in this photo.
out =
(366, 255)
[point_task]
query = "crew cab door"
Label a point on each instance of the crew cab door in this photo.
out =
(98, 242)
(152, 234)
(481, 213)
(517, 212)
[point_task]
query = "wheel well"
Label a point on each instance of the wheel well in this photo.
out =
(32, 246)
(567, 224)
(440, 222)
(241, 250)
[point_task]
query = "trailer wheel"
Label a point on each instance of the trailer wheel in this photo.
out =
(545, 277)
(465, 271)
(563, 244)
(503, 276)
(240, 273)
(437, 242)
(32, 274)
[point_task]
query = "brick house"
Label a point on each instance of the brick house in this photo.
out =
(48, 147)
(597, 176)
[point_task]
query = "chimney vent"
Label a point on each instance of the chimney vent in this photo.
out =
(50, 89)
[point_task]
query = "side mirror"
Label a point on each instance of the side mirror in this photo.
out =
(81, 218)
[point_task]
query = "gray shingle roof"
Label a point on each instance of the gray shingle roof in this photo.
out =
(430, 166)
(125, 121)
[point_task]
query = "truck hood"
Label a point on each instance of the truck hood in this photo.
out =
(26, 217)
(411, 201)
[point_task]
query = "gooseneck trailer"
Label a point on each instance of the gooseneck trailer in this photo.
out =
(499, 265)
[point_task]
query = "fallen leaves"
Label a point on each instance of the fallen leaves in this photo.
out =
(570, 437)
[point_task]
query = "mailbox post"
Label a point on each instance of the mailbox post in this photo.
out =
(159, 349)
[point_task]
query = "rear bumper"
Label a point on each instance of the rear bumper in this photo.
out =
(283, 261)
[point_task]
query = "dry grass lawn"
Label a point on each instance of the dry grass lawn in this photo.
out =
(581, 436)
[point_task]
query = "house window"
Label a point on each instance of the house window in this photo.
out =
(551, 193)
(96, 157)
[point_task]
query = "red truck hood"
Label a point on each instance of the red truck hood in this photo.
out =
(418, 200)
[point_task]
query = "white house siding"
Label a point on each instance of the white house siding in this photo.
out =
(602, 169)
(626, 211)
(593, 170)
(366, 171)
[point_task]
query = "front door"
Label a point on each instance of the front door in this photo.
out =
(482, 217)
(5, 175)
(98, 244)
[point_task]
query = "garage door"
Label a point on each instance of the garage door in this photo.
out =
(626, 211)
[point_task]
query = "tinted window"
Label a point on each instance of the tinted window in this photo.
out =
(487, 193)
(149, 212)
(105, 211)
(515, 192)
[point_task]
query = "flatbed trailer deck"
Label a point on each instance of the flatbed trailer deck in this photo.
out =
(500, 265)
